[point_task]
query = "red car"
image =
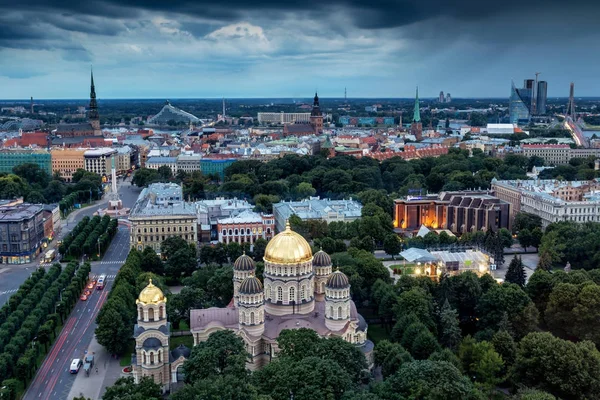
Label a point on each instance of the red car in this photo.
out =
(83, 297)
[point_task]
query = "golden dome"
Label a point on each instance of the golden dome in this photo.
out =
(151, 295)
(288, 247)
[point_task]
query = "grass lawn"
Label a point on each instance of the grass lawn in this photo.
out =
(125, 360)
(377, 332)
(175, 341)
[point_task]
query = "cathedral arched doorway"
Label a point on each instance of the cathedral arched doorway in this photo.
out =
(180, 374)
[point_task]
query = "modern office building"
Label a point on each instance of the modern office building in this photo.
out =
(552, 200)
(160, 213)
(315, 208)
(21, 233)
(66, 161)
(519, 105)
(172, 114)
(542, 97)
(99, 161)
(10, 158)
(459, 212)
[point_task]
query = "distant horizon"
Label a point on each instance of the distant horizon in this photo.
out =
(306, 99)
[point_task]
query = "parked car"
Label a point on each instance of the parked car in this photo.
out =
(75, 365)
(89, 363)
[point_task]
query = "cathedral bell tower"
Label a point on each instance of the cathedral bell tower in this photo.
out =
(316, 117)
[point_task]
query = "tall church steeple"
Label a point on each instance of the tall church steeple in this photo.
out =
(417, 112)
(93, 115)
(416, 128)
(316, 117)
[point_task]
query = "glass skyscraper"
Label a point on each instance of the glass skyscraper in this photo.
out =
(542, 95)
(519, 102)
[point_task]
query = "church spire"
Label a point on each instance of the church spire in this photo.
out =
(417, 112)
(93, 115)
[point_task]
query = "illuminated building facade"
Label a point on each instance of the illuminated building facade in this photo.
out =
(459, 212)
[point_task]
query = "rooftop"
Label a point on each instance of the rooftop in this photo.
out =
(19, 212)
(316, 208)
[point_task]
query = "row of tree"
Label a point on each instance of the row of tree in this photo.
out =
(90, 236)
(35, 320)
(117, 316)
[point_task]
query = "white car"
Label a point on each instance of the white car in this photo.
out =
(75, 365)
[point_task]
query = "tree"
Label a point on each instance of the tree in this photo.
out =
(545, 261)
(527, 221)
(488, 369)
(539, 287)
(427, 380)
(565, 369)
(304, 190)
(504, 345)
(392, 245)
(516, 272)
(112, 332)
(532, 394)
(309, 378)
(165, 172)
(223, 353)
(505, 237)
(296, 344)
(182, 262)
(259, 249)
(234, 250)
(510, 299)
(126, 389)
(536, 237)
(151, 262)
(225, 387)
(559, 314)
(450, 334)
(424, 345)
(171, 245)
(394, 359)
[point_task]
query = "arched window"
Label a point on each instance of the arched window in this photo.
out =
(230, 232)
(235, 232)
(303, 293)
(247, 231)
(159, 358)
(292, 295)
(145, 360)
(340, 312)
(224, 232)
(331, 311)
(151, 314)
(252, 318)
(279, 293)
(160, 312)
(151, 358)
(269, 292)
(268, 230)
(140, 313)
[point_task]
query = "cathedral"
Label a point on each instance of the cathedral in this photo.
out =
(300, 290)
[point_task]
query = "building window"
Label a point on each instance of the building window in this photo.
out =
(292, 295)
(252, 318)
(279, 293)
(303, 293)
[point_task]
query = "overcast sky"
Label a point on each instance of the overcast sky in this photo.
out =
(289, 48)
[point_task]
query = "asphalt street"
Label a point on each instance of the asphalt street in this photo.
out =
(12, 276)
(53, 379)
